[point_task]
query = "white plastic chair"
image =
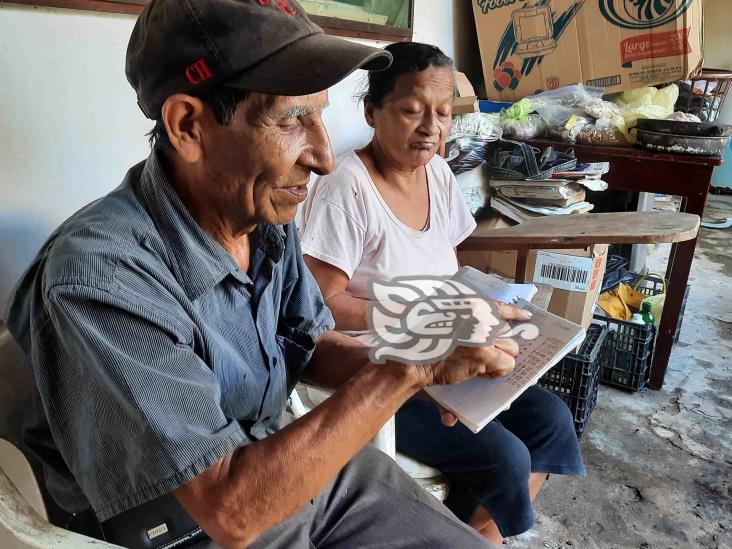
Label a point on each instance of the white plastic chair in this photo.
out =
(23, 518)
(304, 398)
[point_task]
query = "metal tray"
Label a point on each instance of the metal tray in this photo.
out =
(681, 144)
(674, 127)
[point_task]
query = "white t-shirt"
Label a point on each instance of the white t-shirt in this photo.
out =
(347, 224)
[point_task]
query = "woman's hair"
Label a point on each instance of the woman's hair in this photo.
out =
(409, 58)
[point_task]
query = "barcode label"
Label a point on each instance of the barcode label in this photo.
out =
(565, 272)
(605, 82)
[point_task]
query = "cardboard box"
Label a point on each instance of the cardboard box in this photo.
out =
(527, 46)
(466, 100)
(575, 275)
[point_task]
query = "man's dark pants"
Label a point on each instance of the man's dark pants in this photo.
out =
(371, 503)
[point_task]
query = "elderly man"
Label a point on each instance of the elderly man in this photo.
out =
(167, 322)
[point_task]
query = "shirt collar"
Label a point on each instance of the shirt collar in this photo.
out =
(270, 239)
(200, 262)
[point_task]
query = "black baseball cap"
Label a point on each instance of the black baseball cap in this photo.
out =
(269, 46)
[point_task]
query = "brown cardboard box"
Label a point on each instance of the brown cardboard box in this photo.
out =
(466, 100)
(574, 305)
(481, 260)
(619, 44)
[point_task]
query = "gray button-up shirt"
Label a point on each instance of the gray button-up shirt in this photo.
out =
(154, 355)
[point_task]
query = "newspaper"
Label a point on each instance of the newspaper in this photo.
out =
(477, 401)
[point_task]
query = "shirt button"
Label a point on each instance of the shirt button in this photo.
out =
(274, 361)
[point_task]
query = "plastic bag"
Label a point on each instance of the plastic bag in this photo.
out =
(517, 122)
(571, 128)
(575, 96)
(683, 117)
(556, 115)
(646, 102)
(597, 108)
(603, 132)
(474, 187)
(526, 128)
(476, 124)
(556, 107)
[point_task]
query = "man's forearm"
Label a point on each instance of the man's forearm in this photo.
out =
(268, 481)
(337, 357)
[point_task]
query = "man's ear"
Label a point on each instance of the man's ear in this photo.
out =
(183, 118)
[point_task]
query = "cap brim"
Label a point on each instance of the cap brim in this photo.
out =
(312, 64)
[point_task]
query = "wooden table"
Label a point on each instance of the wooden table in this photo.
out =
(681, 175)
(581, 230)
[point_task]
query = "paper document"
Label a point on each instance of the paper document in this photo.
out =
(494, 288)
(520, 211)
(584, 170)
(543, 342)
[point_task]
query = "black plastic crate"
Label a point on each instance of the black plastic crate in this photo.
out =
(626, 357)
(629, 347)
(575, 379)
(652, 285)
(628, 351)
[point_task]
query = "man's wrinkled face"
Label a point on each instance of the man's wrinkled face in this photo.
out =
(260, 164)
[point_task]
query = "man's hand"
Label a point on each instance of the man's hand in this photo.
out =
(496, 360)
(508, 346)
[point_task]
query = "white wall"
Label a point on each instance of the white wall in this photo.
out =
(69, 123)
(70, 127)
(717, 39)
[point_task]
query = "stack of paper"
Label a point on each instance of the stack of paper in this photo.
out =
(520, 210)
(477, 401)
(524, 199)
(593, 170)
(587, 174)
(556, 191)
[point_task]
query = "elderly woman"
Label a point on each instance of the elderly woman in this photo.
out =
(393, 209)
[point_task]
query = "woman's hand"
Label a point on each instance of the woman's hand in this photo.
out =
(511, 312)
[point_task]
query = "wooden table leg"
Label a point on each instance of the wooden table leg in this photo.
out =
(522, 256)
(677, 275)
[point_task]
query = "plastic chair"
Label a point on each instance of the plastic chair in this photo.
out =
(23, 517)
(304, 398)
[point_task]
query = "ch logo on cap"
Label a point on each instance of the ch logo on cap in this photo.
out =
(282, 5)
(198, 72)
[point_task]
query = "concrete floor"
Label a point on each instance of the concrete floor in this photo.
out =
(659, 463)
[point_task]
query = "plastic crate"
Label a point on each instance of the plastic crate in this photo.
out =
(628, 352)
(576, 378)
